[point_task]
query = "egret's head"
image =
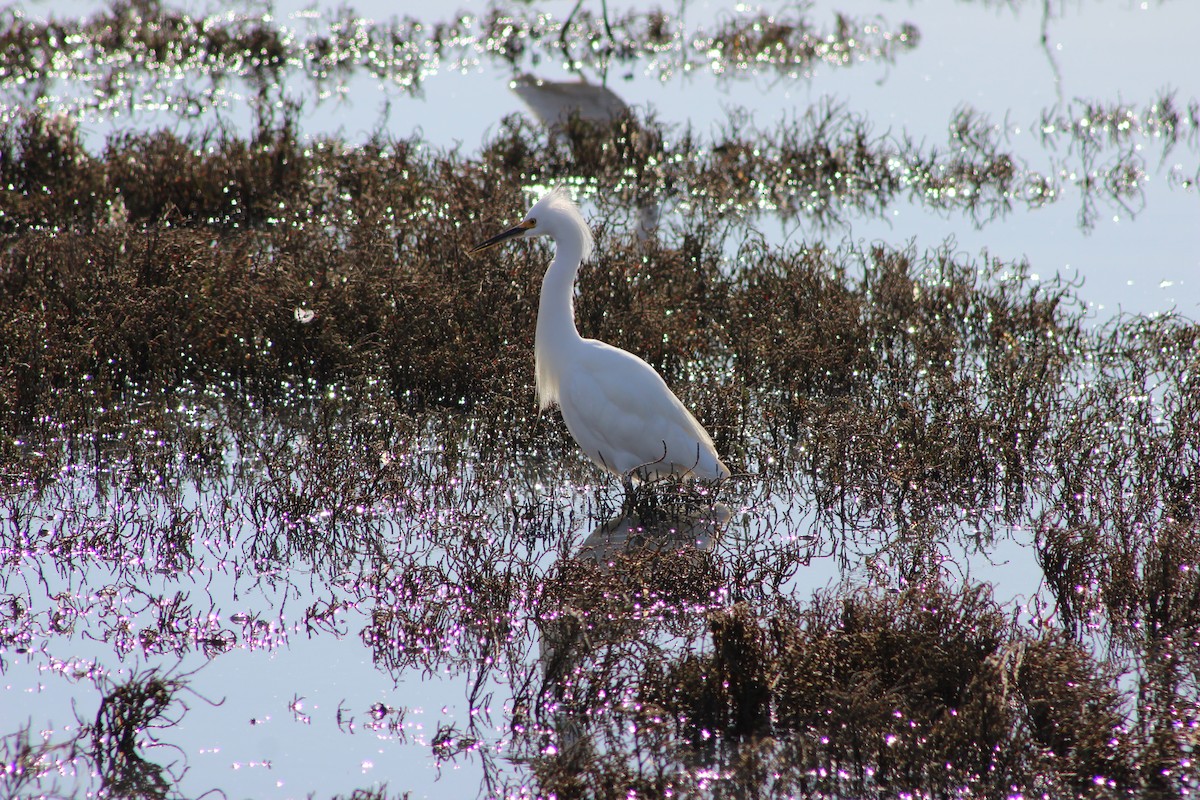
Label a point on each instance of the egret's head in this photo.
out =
(554, 216)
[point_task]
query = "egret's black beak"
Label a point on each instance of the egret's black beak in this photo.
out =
(511, 233)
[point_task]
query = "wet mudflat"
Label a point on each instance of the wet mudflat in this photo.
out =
(280, 517)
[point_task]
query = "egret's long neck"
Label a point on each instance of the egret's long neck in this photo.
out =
(556, 331)
(556, 310)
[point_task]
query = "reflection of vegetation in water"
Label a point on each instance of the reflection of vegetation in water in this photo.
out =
(860, 694)
(128, 723)
(146, 54)
(1107, 146)
(128, 712)
(231, 368)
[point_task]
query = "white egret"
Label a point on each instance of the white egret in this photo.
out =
(617, 407)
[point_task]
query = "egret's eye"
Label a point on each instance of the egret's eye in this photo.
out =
(528, 224)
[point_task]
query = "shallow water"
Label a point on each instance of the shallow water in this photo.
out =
(381, 579)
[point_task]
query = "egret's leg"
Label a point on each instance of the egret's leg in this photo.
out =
(630, 493)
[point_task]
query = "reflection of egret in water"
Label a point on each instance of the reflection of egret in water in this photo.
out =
(632, 578)
(554, 103)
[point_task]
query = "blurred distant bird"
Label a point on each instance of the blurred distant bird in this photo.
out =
(617, 407)
(555, 102)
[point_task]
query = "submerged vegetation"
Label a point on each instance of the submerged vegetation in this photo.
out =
(259, 366)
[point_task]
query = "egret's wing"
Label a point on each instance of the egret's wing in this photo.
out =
(624, 416)
(615, 399)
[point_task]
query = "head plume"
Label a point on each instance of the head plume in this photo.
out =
(558, 202)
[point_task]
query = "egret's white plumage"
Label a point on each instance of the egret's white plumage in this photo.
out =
(617, 407)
